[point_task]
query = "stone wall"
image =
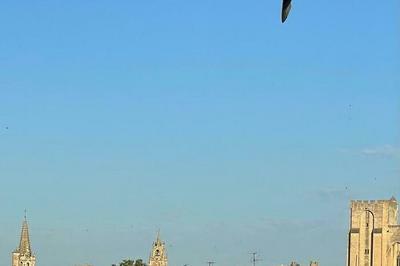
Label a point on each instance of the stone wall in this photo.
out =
(372, 225)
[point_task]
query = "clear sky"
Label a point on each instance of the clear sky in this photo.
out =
(209, 120)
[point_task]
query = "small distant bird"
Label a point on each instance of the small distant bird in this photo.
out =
(286, 6)
(349, 110)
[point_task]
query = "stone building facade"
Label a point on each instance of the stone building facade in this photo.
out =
(374, 235)
(23, 255)
(158, 255)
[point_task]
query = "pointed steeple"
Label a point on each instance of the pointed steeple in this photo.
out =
(158, 255)
(158, 236)
(25, 243)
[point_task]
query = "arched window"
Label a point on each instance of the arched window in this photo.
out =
(398, 260)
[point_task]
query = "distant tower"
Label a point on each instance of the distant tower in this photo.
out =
(23, 255)
(158, 255)
(374, 235)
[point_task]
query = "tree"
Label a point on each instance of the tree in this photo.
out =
(127, 262)
(140, 262)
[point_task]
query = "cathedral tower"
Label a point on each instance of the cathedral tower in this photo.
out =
(158, 255)
(23, 255)
(374, 235)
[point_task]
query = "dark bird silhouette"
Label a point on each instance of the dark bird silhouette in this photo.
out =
(286, 6)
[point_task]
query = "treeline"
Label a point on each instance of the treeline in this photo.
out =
(130, 262)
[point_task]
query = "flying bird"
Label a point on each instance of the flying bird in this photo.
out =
(286, 6)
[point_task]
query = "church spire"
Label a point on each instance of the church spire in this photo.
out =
(23, 255)
(24, 243)
(158, 236)
(158, 255)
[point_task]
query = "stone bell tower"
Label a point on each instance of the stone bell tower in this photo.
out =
(158, 255)
(23, 255)
(374, 235)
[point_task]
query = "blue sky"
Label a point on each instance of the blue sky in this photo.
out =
(209, 120)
